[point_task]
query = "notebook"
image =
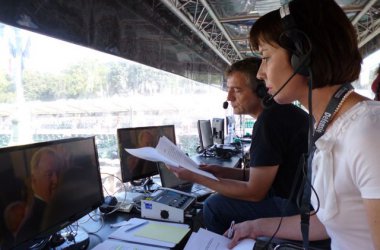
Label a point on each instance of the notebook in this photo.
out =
(169, 180)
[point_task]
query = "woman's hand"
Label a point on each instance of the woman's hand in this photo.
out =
(246, 229)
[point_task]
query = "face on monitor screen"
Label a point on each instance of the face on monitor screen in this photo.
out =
(133, 168)
(44, 189)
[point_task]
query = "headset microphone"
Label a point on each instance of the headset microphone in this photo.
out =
(225, 105)
(268, 101)
(270, 98)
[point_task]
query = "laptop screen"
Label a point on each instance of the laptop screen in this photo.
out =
(168, 179)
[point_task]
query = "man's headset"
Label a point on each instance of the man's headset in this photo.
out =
(260, 90)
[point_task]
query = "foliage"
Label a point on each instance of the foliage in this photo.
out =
(7, 89)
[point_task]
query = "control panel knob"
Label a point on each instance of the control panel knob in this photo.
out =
(164, 214)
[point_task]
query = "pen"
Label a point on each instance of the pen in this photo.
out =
(130, 227)
(230, 232)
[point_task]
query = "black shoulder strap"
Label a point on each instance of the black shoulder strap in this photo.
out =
(333, 104)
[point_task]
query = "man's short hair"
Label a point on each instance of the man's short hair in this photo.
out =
(249, 67)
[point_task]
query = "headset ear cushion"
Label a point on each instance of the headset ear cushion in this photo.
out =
(295, 42)
(300, 63)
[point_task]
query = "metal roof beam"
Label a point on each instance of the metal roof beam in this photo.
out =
(239, 18)
(363, 11)
(220, 26)
(204, 23)
(368, 28)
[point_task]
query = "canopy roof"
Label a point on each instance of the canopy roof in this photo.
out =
(193, 38)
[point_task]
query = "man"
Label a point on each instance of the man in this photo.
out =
(279, 138)
(45, 167)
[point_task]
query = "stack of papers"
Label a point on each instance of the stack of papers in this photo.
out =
(122, 245)
(168, 153)
(207, 240)
(152, 233)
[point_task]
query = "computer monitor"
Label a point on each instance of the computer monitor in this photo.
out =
(133, 169)
(205, 134)
(45, 187)
(218, 130)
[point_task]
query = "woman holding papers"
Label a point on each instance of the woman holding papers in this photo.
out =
(279, 138)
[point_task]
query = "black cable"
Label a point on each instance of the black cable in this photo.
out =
(303, 165)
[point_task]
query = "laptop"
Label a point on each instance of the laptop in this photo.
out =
(169, 180)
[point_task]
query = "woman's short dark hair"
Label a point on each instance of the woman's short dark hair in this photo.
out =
(335, 58)
(248, 67)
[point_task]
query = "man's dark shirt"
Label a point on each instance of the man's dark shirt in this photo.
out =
(280, 137)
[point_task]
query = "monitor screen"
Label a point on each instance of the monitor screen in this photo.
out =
(133, 168)
(46, 187)
(205, 134)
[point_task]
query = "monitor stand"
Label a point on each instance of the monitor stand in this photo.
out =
(36, 244)
(74, 240)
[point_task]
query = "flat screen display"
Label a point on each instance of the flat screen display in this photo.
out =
(205, 134)
(133, 168)
(46, 187)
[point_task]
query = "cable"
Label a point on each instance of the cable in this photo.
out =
(117, 206)
(310, 151)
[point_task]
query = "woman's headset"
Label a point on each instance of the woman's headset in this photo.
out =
(296, 42)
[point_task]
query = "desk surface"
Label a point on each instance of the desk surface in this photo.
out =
(233, 162)
(99, 229)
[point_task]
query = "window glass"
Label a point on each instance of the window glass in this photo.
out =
(50, 89)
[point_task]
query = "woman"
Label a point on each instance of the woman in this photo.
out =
(318, 42)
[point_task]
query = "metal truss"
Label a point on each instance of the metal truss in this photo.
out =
(367, 23)
(201, 19)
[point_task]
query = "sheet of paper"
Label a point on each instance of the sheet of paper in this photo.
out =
(129, 235)
(122, 245)
(207, 240)
(168, 153)
(171, 151)
(151, 154)
(164, 232)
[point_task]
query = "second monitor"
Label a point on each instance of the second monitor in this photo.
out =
(133, 169)
(218, 130)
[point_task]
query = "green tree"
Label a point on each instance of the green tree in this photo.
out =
(83, 80)
(7, 89)
(41, 86)
(117, 80)
(18, 46)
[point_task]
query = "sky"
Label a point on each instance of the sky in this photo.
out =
(45, 51)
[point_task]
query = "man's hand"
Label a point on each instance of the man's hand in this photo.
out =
(213, 169)
(183, 173)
